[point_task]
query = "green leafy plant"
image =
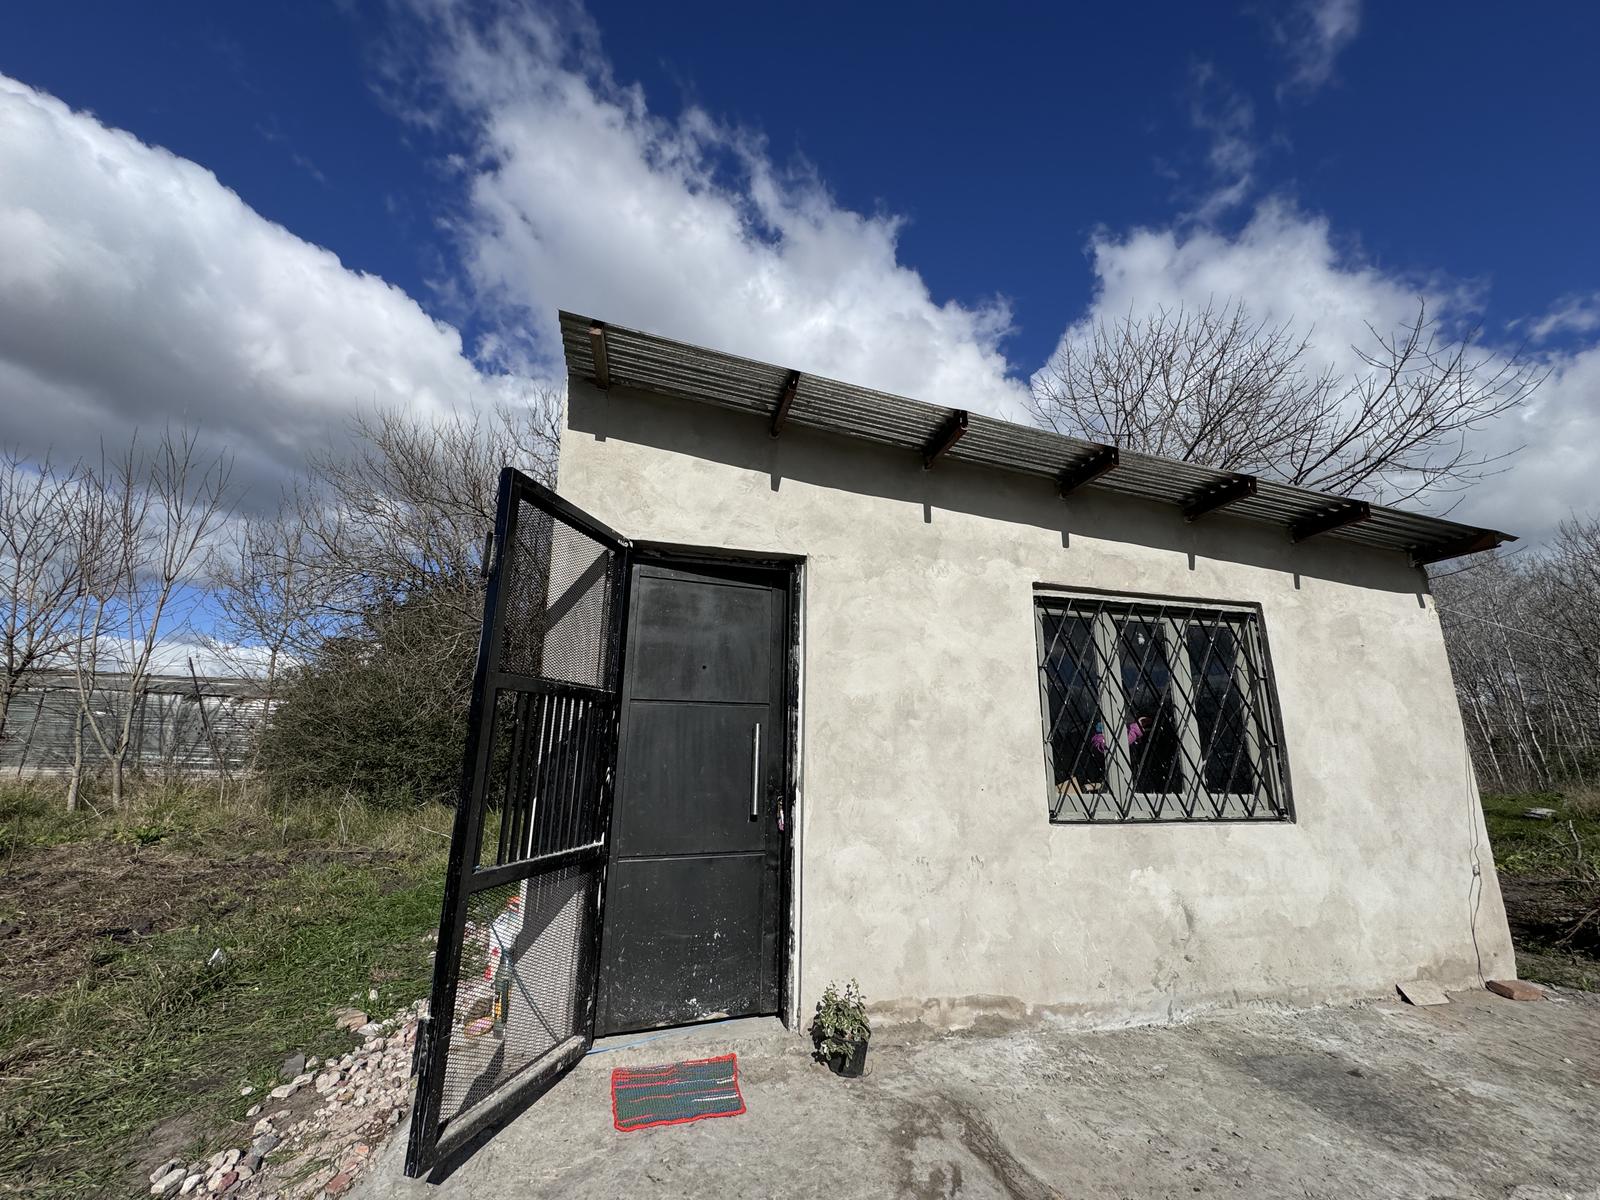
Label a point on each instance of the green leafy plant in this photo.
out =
(841, 1020)
(146, 834)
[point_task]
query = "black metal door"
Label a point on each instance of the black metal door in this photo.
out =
(514, 977)
(692, 894)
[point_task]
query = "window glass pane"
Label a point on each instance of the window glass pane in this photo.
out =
(1220, 710)
(1072, 682)
(1148, 729)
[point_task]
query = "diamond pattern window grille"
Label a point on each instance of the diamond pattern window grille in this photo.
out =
(1158, 711)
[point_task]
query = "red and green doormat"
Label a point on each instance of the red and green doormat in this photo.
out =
(675, 1093)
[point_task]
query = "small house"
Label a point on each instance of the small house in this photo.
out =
(795, 681)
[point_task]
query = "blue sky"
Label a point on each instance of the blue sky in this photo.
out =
(925, 200)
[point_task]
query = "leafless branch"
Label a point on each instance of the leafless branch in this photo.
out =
(1218, 386)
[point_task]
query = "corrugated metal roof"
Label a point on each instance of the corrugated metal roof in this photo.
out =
(671, 368)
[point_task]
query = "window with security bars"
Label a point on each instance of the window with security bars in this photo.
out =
(1158, 711)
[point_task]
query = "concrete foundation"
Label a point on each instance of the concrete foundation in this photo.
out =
(928, 866)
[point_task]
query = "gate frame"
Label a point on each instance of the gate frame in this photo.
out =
(428, 1143)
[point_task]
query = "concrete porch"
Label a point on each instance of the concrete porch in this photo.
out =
(1483, 1097)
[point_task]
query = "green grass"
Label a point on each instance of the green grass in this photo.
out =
(1536, 849)
(1549, 872)
(312, 905)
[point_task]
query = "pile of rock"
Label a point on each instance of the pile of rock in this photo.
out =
(333, 1115)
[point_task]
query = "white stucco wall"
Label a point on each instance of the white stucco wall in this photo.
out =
(930, 871)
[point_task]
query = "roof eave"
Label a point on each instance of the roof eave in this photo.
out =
(612, 355)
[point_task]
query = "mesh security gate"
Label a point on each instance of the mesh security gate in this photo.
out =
(514, 977)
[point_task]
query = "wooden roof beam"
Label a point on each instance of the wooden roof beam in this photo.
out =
(1474, 543)
(602, 361)
(1101, 460)
(1229, 491)
(780, 414)
(1337, 517)
(947, 436)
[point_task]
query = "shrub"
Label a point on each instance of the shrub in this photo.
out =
(379, 712)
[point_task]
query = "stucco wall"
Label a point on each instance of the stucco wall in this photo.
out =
(930, 871)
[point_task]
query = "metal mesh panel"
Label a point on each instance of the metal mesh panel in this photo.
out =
(513, 993)
(1157, 712)
(558, 585)
(521, 989)
(544, 775)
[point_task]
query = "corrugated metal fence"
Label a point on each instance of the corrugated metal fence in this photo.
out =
(181, 725)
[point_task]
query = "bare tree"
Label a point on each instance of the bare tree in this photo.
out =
(1572, 599)
(160, 509)
(393, 537)
(41, 568)
(1523, 632)
(102, 565)
(269, 600)
(1220, 387)
(407, 509)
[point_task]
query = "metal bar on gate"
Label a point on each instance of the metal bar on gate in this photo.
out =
(569, 797)
(586, 776)
(519, 796)
(540, 805)
(573, 776)
(511, 872)
(512, 799)
(569, 794)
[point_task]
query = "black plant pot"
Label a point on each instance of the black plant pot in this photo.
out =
(851, 1063)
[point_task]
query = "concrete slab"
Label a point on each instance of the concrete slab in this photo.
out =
(1477, 1098)
(1421, 991)
(747, 1035)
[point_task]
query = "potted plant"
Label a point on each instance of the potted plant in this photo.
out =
(840, 1029)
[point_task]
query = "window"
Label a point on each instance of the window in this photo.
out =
(1158, 711)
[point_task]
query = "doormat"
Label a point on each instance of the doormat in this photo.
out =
(676, 1093)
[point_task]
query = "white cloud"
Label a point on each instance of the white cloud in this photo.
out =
(211, 659)
(1227, 119)
(1571, 314)
(580, 197)
(1555, 474)
(1312, 34)
(136, 289)
(1287, 265)
(1283, 264)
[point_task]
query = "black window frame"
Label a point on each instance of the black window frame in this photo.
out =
(1100, 620)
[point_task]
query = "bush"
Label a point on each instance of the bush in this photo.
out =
(380, 711)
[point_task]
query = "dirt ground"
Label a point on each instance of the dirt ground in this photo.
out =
(64, 905)
(1483, 1097)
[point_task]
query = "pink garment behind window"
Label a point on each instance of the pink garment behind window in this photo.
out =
(1099, 740)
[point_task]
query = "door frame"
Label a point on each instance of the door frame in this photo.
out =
(792, 567)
